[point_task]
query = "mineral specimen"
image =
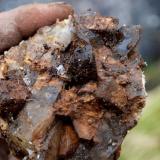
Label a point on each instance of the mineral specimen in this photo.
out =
(72, 91)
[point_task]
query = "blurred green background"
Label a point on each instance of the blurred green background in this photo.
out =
(142, 142)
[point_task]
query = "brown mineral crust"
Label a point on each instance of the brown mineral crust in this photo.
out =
(82, 89)
(121, 86)
(61, 141)
(108, 88)
(109, 137)
(83, 109)
(119, 82)
(69, 141)
(89, 88)
(13, 95)
(51, 145)
(32, 61)
(34, 127)
(99, 23)
(107, 140)
(100, 30)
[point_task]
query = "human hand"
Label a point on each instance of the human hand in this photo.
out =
(22, 22)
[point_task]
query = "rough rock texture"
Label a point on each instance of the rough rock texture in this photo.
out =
(72, 91)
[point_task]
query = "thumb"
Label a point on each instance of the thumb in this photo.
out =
(23, 21)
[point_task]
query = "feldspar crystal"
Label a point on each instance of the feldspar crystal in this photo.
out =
(72, 91)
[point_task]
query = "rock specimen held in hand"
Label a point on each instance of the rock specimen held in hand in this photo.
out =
(72, 91)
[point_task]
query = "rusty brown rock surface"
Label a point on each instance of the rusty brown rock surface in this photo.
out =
(72, 91)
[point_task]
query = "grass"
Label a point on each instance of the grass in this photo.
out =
(152, 73)
(143, 142)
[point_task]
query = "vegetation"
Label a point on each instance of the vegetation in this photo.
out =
(143, 142)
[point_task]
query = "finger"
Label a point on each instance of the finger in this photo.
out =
(30, 18)
(23, 21)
